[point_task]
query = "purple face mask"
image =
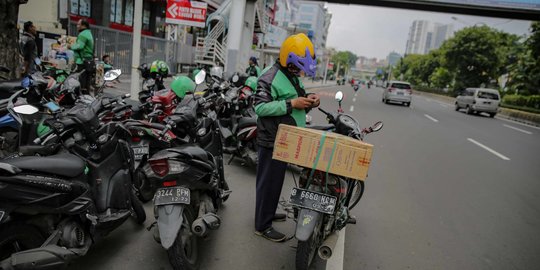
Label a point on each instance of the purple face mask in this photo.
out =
(307, 64)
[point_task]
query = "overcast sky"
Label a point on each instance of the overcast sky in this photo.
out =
(376, 31)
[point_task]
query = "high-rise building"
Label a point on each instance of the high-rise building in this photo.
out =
(393, 58)
(314, 17)
(425, 36)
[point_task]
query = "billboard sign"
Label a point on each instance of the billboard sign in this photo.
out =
(185, 12)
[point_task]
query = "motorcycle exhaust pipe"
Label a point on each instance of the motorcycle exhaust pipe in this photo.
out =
(327, 247)
(202, 225)
(199, 228)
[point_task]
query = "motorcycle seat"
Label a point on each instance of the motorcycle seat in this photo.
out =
(64, 164)
(8, 88)
(321, 127)
(247, 121)
(193, 152)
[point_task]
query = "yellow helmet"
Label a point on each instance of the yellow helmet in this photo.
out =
(298, 50)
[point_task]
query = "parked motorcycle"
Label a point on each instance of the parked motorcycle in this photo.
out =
(190, 181)
(54, 207)
(239, 124)
(322, 202)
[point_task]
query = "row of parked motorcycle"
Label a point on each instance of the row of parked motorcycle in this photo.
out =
(75, 166)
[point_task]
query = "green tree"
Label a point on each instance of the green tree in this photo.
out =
(477, 55)
(524, 72)
(9, 35)
(441, 77)
(344, 59)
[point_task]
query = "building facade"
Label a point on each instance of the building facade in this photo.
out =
(425, 36)
(393, 58)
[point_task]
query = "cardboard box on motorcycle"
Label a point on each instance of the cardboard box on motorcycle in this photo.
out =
(342, 155)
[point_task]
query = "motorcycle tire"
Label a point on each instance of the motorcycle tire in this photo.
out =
(306, 250)
(145, 193)
(357, 194)
(225, 186)
(138, 209)
(15, 237)
(184, 253)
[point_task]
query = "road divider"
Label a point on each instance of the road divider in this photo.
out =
(518, 129)
(431, 118)
(489, 149)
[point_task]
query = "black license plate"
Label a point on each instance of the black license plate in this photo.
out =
(139, 151)
(172, 195)
(316, 201)
(400, 93)
(487, 102)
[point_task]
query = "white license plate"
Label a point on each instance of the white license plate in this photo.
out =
(316, 201)
(140, 150)
(172, 195)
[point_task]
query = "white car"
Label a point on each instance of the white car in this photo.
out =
(476, 100)
(397, 91)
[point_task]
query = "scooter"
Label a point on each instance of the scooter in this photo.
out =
(54, 207)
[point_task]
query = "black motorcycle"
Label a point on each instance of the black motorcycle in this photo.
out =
(54, 207)
(190, 182)
(322, 202)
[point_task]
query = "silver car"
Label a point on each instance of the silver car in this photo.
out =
(397, 91)
(476, 100)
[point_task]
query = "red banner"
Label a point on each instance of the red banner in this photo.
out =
(192, 13)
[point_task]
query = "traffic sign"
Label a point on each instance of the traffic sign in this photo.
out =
(185, 12)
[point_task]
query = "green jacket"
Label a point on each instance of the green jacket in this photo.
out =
(253, 71)
(275, 89)
(84, 47)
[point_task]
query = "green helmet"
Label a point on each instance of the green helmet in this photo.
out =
(194, 73)
(251, 82)
(182, 85)
(159, 67)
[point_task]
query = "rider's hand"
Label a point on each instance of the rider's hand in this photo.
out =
(301, 103)
(316, 100)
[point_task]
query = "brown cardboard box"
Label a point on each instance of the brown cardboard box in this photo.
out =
(300, 146)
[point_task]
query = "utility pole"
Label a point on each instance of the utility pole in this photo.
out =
(136, 49)
(326, 70)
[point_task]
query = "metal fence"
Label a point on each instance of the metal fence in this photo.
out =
(118, 44)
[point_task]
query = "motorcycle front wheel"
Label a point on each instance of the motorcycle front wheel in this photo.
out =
(306, 250)
(184, 253)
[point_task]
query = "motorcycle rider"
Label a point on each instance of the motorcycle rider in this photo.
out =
(29, 48)
(253, 69)
(280, 99)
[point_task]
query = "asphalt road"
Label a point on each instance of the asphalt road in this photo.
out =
(445, 190)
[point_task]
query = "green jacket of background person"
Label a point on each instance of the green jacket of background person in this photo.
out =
(83, 47)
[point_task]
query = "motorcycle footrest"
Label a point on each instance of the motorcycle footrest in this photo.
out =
(351, 220)
(225, 193)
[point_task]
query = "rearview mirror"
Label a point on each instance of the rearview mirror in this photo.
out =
(26, 109)
(377, 126)
(199, 78)
(339, 96)
(112, 75)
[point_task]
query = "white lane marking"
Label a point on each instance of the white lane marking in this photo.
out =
(354, 99)
(428, 99)
(444, 105)
(431, 118)
(352, 108)
(514, 122)
(336, 261)
(355, 93)
(518, 129)
(489, 149)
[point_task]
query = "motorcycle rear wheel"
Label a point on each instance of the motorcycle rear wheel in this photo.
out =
(357, 194)
(184, 253)
(306, 250)
(17, 237)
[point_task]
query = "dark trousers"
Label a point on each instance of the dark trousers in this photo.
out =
(270, 176)
(86, 76)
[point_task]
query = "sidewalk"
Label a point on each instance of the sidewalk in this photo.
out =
(125, 84)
